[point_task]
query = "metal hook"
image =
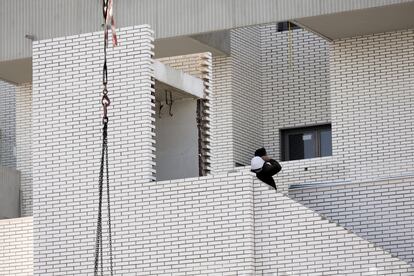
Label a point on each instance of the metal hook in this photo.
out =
(170, 101)
(159, 110)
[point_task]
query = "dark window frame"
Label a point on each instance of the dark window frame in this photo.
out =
(316, 130)
(284, 26)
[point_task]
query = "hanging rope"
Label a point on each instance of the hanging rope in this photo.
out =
(290, 45)
(99, 265)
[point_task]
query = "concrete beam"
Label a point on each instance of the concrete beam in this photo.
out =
(179, 80)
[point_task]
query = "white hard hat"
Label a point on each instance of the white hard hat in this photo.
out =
(257, 163)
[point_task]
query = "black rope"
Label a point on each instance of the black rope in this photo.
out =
(104, 162)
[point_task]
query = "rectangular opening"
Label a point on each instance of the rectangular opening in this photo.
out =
(306, 142)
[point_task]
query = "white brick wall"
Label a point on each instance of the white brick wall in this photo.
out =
(295, 91)
(222, 144)
(371, 78)
(7, 125)
(195, 226)
(67, 77)
(15, 137)
(379, 211)
(372, 96)
(307, 171)
(216, 225)
(290, 239)
(16, 247)
(24, 145)
(247, 102)
(372, 88)
(190, 64)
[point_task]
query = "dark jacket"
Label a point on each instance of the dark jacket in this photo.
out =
(266, 173)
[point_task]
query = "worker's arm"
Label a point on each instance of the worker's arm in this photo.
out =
(271, 167)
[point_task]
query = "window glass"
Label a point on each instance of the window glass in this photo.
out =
(308, 142)
(326, 142)
(296, 145)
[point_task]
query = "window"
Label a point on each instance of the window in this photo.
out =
(284, 26)
(308, 142)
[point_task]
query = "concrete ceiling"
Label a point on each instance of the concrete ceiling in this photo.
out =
(16, 71)
(183, 45)
(331, 26)
(361, 22)
(20, 71)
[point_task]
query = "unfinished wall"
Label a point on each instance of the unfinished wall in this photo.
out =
(66, 135)
(247, 101)
(295, 82)
(176, 139)
(200, 66)
(7, 125)
(16, 247)
(378, 211)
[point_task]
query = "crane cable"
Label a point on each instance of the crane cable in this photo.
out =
(98, 264)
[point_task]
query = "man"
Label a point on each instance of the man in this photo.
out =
(264, 167)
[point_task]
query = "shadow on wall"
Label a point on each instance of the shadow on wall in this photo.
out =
(9, 193)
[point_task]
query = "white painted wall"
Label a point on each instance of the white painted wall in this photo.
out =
(177, 141)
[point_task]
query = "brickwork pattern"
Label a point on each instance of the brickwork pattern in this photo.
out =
(67, 83)
(195, 226)
(224, 224)
(291, 239)
(190, 64)
(24, 145)
(380, 211)
(7, 125)
(247, 102)
(222, 151)
(16, 247)
(309, 171)
(372, 88)
(295, 82)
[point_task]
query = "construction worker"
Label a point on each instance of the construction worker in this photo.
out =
(264, 167)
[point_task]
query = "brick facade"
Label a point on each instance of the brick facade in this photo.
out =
(291, 239)
(372, 88)
(247, 101)
(16, 246)
(295, 82)
(379, 211)
(24, 145)
(231, 224)
(222, 145)
(7, 125)
(66, 133)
